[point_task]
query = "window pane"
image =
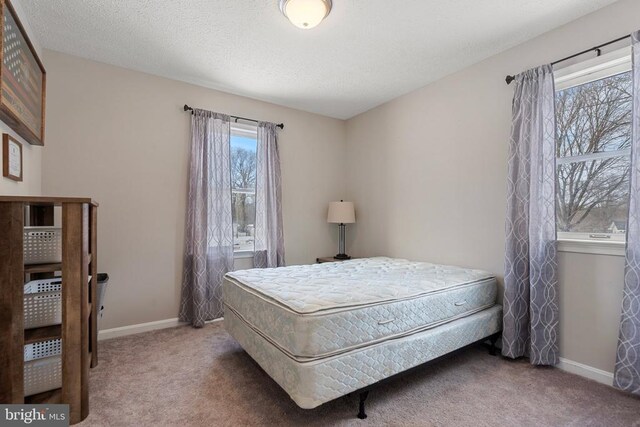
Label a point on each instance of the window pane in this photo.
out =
(592, 194)
(243, 184)
(594, 117)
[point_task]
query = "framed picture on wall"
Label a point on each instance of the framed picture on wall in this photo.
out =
(11, 158)
(22, 79)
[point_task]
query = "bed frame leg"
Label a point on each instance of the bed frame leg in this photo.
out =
(492, 348)
(363, 396)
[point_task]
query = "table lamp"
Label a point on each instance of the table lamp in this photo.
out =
(341, 213)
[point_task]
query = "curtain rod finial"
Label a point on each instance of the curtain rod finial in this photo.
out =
(509, 79)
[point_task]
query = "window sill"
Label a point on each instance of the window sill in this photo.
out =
(242, 254)
(592, 247)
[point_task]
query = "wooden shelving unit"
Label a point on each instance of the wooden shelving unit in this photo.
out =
(79, 312)
(52, 396)
(42, 268)
(42, 334)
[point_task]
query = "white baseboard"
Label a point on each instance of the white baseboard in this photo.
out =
(586, 371)
(567, 365)
(141, 327)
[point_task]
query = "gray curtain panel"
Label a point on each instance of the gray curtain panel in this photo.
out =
(531, 286)
(209, 233)
(627, 370)
(269, 236)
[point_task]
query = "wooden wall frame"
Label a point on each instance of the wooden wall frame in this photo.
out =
(6, 170)
(10, 114)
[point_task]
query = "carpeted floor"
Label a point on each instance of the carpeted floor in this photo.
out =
(201, 377)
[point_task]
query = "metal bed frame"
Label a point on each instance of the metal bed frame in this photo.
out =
(364, 392)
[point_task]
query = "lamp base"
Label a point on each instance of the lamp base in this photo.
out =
(342, 256)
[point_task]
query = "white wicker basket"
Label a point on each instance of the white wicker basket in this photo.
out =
(43, 303)
(42, 366)
(42, 245)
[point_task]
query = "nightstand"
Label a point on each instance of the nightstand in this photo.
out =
(324, 259)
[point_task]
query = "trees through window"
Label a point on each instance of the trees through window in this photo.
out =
(593, 140)
(243, 187)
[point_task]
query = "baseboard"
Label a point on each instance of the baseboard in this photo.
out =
(567, 365)
(586, 371)
(122, 331)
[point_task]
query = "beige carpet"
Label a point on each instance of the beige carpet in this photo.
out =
(201, 377)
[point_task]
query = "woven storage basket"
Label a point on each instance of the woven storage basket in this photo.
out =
(43, 303)
(42, 366)
(42, 245)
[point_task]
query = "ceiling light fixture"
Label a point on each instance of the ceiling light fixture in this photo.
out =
(305, 14)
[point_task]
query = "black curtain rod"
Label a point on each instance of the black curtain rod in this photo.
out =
(281, 125)
(509, 79)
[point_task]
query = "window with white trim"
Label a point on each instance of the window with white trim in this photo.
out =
(593, 140)
(243, 186)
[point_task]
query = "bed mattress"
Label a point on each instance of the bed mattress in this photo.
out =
(313, 383)
(313, 312)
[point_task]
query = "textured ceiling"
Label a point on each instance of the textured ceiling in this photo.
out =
(365, 53)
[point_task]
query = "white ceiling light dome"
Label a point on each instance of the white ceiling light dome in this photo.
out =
(305, 14)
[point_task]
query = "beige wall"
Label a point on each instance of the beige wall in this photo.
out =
(121, 137)
(590, 302)
(428, 174)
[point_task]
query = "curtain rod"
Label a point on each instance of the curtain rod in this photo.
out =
(509, 79)
(281, 125)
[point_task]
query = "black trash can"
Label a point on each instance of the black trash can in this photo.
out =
(103, 279)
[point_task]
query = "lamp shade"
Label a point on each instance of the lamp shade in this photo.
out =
(341, 213)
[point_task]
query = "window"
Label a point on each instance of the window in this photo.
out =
(243, 186)
(593, 140)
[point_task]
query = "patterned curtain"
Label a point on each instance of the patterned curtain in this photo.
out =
(627, 370)
(269, 237)
(531, 286)
(208, 234)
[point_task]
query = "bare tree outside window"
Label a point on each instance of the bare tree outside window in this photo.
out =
(243, 184)
(593, 132)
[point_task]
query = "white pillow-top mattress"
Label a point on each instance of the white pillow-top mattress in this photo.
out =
(316, 311)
